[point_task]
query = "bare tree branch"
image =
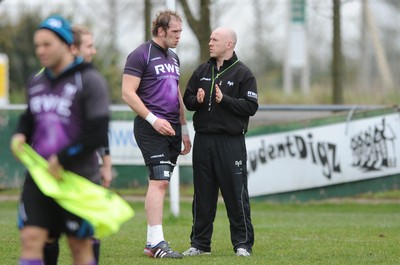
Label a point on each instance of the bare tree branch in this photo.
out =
(201, 26)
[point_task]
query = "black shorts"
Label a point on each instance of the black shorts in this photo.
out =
(156, 148)
(37, 209)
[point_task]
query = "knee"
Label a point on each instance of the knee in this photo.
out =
(81, 250)
(32, 240)
(160, 185)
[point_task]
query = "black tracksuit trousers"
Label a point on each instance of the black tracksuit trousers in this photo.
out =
(219, 163)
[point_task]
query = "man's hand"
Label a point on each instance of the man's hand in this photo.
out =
(218, 94)
(200, 95)
(16, 143)
(106, 171)
(163, 127)
(187, 145)
(55, 168)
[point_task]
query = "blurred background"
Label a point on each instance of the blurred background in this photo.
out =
(301, 51)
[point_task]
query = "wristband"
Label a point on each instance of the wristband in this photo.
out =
(103, 151)
(151, 118)
(184, 129)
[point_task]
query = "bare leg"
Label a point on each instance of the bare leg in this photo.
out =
(154, 203)
(81, 250)
(33, 239)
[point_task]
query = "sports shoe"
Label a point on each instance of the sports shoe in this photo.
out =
(161, 250)
(147, 251)
(195, 252)
(242, 252)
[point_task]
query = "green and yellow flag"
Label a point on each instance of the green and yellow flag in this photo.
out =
(103, 208)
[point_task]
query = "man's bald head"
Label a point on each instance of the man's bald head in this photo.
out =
(227, 34)
(222, 44)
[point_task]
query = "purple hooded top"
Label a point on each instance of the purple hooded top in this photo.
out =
(68, 115)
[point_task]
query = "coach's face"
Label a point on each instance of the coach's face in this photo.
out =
(218, 43)
(49, 48)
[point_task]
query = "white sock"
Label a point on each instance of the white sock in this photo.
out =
(156, 234)
(148, 242)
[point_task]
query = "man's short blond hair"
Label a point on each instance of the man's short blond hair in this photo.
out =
(78, 31)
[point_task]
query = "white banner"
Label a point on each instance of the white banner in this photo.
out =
(325, 155)
(123, 146)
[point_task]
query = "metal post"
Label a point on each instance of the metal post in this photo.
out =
(174, 192)
(174, 183)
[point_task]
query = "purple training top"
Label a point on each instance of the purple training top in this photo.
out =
(61, 108)
(159, 73)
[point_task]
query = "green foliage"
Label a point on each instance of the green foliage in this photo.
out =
(342, 232)
(322, 94)
(16, 43)
(111, 71)
(17, 96)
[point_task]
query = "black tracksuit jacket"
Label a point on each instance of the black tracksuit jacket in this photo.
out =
(231, 115)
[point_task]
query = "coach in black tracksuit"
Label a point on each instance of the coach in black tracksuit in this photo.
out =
(223, 94)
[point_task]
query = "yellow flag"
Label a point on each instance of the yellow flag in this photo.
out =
(103, 208)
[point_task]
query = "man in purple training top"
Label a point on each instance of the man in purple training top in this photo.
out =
(84, 47)
(66, 121)
(150, 86)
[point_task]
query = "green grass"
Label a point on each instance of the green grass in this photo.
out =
(344, 232)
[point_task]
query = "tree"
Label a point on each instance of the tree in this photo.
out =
(147, 19)
(337, 57)
(16, 41)
(201, 26)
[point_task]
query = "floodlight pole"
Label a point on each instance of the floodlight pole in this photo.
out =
(296, 47)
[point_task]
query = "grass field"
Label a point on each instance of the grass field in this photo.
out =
(330, 232)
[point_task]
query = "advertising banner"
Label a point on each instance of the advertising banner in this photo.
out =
(323, 156)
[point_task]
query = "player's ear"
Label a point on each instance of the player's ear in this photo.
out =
(74, 50)
(161, 32)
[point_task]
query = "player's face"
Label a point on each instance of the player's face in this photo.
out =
(50, 49)
(173, 34)
(218, 44)
(87, 49)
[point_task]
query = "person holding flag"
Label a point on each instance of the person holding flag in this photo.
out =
(84, 47)
(65, 122)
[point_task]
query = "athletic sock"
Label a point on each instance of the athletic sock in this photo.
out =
(96, 250)
(51, 252)
(30, 262)
(157, 234)
(148, 241)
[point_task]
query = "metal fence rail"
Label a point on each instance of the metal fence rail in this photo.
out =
(120, 107)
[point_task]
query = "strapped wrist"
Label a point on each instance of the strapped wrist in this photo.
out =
(151, 118)
(184, 129)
